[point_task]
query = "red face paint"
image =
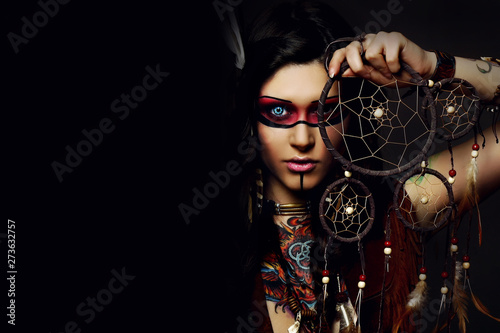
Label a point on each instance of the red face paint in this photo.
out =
(280, 113)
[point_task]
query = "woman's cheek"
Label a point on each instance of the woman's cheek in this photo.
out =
(270, 144)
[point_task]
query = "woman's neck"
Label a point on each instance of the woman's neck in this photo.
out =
(279, 193)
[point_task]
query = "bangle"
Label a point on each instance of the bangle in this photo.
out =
(445, 66)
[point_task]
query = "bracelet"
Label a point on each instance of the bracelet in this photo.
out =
(445, 66)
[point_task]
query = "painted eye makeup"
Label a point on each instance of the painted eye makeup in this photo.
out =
(280, 113)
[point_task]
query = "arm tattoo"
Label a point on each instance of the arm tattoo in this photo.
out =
(484, 71)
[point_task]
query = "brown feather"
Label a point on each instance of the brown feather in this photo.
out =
(480, 306)
(471, 198)
(416, 300)
(460, 298)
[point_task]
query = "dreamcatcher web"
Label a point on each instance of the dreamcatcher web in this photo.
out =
(348, 210)
(457, 108)
(423, 199)
(387, 127)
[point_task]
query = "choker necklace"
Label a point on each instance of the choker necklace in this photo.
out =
(290, 209)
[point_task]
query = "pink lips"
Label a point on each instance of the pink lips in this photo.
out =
(301, 165)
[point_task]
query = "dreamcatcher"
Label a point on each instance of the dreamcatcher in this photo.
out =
(387, 130)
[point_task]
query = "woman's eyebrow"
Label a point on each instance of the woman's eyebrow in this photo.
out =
(276, 98)
(317, 101)
(287, 101)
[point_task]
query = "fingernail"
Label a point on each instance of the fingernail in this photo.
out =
(332, 74)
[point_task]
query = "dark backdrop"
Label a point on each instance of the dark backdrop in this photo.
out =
(117, 212)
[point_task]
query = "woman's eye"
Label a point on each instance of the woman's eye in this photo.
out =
(278, 111)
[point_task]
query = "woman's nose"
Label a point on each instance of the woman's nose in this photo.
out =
(302, 137)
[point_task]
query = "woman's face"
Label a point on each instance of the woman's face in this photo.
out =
(292, 144)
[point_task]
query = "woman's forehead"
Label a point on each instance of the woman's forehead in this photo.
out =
(298, 83)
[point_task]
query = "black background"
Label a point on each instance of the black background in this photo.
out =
(119, 207)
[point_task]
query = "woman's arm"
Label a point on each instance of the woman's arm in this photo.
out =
(488, 177)
(483, 75)
(384, 52)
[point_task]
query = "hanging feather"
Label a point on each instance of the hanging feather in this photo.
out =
(357, 305)
(459, 298)
(480, 306)
(233, 39)
(345, 320)
(471, 198)
(416, 301)
(442, 307)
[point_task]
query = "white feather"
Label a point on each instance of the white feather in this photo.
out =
(233, 40)
(417, 297)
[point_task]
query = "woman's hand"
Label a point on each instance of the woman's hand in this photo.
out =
(383, 53)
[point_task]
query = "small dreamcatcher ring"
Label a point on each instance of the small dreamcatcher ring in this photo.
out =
(455, 117)
(372, 113)
(347, 210)
(425, 194)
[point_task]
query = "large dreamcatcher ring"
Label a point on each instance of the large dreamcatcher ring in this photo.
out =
(434, 197)
(388, 129)
(347, 210)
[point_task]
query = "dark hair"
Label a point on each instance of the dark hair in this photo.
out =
(295, 32)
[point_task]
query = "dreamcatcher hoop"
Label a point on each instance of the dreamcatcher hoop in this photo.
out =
(399, 196)
(348, 164)
(345, 207)
(450, 110)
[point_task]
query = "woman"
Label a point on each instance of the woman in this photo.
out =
(282, 81)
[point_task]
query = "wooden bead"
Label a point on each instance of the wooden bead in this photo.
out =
(422, 277)
(474, 153)
(361, 284)
(378, 113)
(387, 250)
(444, 290)
(466, 265)
(325, 279)
(348, 173)
(450, 109)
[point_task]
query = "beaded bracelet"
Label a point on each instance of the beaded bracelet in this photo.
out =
(445, 66)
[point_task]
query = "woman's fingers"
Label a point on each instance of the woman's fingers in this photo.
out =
(382, 56)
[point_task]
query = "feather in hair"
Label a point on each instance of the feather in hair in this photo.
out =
(234, 41)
